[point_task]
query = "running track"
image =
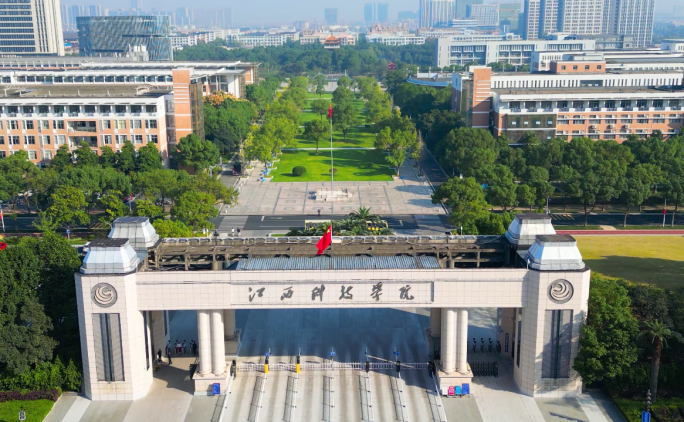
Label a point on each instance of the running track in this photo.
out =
(619, 232)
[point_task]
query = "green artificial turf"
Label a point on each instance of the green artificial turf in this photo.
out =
(352, 165)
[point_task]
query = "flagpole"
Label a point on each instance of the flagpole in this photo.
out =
(332, 190)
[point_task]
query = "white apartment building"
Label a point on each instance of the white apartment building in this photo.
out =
(396, 39)
(453, 52)
(267, 39)
(484, 14)
(580, 16)
(31, 27)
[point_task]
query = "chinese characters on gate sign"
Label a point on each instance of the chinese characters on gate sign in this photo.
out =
(404, 292)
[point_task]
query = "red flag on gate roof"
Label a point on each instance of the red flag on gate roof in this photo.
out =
(324, 241)
(330, 112)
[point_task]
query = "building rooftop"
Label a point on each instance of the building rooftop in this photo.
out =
(340, 263)
(586, 90)
(83, 91)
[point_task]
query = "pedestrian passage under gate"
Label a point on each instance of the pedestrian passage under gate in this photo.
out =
(330, 366)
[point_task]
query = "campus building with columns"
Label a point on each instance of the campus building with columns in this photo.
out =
(129, 281)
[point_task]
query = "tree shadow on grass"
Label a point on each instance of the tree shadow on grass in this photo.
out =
(656, 271)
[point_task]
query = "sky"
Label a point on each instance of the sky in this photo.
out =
(279, 12)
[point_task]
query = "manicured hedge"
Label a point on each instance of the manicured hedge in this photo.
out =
(6, 396)
(299, 171)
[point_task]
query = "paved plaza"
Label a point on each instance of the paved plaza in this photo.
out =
(338, 395)
(408, 195)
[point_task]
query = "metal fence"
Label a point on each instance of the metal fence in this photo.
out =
(329, 366)
(485, 369)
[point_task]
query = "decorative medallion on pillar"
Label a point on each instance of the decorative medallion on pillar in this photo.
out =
(104, 295)
(561, 291)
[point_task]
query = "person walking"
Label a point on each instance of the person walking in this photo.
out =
(194, 348)
(178, 347)
(168, 349)
(159, 356)
(185, 347)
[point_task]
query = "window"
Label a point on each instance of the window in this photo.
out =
(60, 139)
(27, 109)
(574, 67)
(45, 140)
(90, 109)
(152, 139)
(120, 124)
(2, 140)
(578, 104)
(105, 109)
(586, 67)
(120, 108)
(136, 108)
(47, 155)
(29, 140)
(136, 124)
(593, 104)
(14, 124)
(610, 104)
(674, 103)
(32, 155)
(120, 139)
(3, 154)
(599, 67)
(137, 139)
(74, 109)
(657, 103)
(563, 67)
(106, 124)
(626, 103)
(44, 124)
(150, 124)
(151, 108)
(58, 109)
(642, 104)
(58, 124)
(611, 121)
(108, 347)
(13, 139)
(43, 109)
(106, 139)
(27, 124)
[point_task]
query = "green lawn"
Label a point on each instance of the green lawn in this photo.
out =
(352, 165)
(36, 410)
(359, 137)
(657, 260)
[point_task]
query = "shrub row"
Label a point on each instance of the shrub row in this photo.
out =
(6, 396)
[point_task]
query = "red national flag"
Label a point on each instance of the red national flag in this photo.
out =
(324, 241)
(330, 112)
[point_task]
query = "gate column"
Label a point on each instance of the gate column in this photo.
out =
(204, 342)
(218, 347)
(448, 355)
(462, 343)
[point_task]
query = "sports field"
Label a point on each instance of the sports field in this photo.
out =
(657, 260)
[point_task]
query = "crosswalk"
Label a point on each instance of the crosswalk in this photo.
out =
(562, 217)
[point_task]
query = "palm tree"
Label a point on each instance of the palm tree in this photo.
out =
(657, 334)
(363, 214)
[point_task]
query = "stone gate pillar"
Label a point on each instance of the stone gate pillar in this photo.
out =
(557, 292)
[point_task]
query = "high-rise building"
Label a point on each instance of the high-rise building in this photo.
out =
(442, 12)
(95, 10)
(183, 16)
(406, 15)
(37, 32)
(630, 17)
(580, 16)
(383, 12)
(530, 20)
(485, 14)
(137, 4)
(77, 11)
(424, 14)
(330, 16)
(370, 13)
(508, 15)
(65, 16)
(461, 6)
(115, 35)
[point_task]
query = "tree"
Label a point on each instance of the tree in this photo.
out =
(344, 82)
(466, 149)
(146, 208)
(320, 107)
(107, 158)
(68, 207)
(25, 326)
(148, 158)
(394, 79)
(344, 118)
(195, 209)
(192, 151)
(606, 338)
(227, 124)
(466, 199)
(125, 158)
(657, 334)
(316, 130)
(161, 184)
(170, 228)
(113, 207)
(320, 82)
(399, 143)
(525, 195)
(634, 193)
(85, 156)
(62, 158)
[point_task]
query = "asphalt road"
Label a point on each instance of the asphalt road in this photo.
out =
(614, 219)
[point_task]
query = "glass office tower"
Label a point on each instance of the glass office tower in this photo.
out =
(115, 35)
